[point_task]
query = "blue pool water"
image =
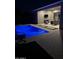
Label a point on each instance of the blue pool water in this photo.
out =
(29, 31)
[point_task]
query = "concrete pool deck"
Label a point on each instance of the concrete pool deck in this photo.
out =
(51, 42)
(46, 26)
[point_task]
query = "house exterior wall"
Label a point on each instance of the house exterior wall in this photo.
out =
(40, 15)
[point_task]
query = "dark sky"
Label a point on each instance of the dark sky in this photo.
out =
(23, 10)
(29, 5)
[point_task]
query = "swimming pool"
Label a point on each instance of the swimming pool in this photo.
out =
(29, 30)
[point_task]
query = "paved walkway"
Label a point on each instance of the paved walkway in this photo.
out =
(51, 42)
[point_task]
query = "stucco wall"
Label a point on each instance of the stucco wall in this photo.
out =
(40, 15)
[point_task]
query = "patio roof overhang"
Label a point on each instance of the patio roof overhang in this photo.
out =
(48, 6)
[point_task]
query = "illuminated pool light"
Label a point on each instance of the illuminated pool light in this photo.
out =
(29, 31)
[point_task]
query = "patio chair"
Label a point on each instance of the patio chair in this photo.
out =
(55, 22)
(52, 22)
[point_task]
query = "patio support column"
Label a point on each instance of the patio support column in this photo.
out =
(61, 21)
(61, 17)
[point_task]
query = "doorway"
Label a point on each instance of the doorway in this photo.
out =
(56, 18)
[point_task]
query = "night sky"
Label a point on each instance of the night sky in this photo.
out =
(32, 4)
(23, 9)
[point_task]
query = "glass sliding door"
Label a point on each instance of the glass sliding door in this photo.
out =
(56, 18)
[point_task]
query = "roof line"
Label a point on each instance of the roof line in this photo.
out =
(47, 5)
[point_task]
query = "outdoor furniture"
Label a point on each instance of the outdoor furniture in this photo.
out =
(46, 21)
(55, 22)
(52, 22)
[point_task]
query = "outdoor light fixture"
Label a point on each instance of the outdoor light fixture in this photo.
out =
(56, 11)
(41, 11)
